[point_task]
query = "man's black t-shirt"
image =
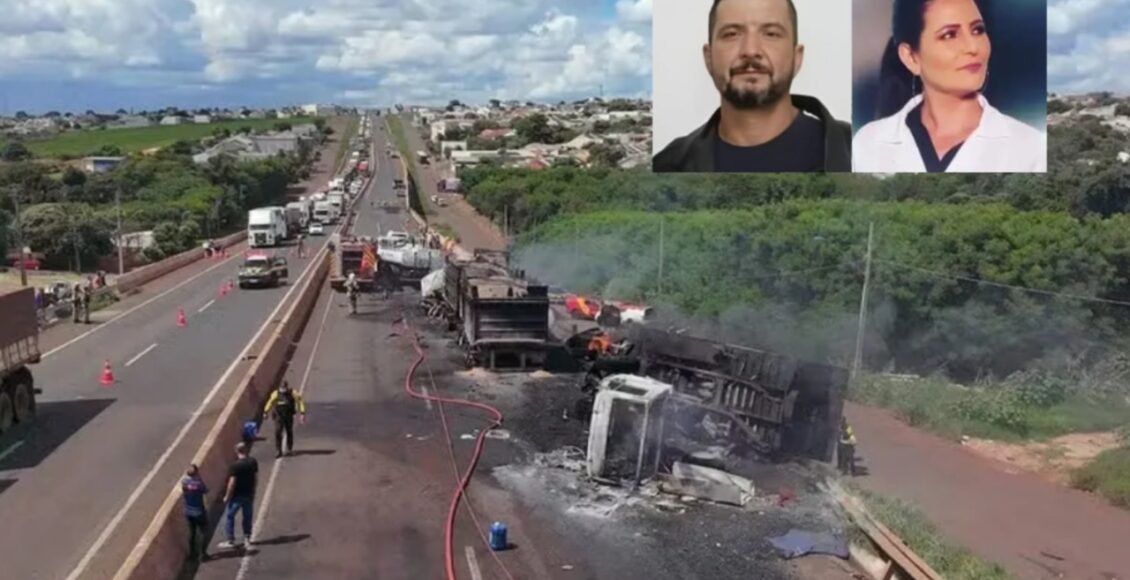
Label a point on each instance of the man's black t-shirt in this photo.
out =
(245, 471)
(799, 149)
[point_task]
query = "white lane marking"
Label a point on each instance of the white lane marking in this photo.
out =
(135, 308)
(427, 398)
(261, 517)
(205, 307)
(141, 354)
(11, 449)
(473, 563)
(141, 487)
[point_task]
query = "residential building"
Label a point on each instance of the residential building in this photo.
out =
(171, 120)
(202, 119)
(100, 164)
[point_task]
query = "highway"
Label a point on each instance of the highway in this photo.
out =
(367, 490)
(78, 487)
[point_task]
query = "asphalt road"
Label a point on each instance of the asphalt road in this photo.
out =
(66, 478)
(367, 490)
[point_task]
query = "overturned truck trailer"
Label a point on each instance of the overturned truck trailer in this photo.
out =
(502, 319)
(778, 404)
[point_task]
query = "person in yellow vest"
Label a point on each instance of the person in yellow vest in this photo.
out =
(845, 454)
(286, 404)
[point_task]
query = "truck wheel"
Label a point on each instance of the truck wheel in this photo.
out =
(23, 401)
(7, 414)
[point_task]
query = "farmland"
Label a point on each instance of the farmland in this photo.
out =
(86, 142)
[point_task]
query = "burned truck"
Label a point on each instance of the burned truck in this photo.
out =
(772, 404)
(501, 318)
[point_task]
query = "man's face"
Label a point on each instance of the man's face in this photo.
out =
(752, 54)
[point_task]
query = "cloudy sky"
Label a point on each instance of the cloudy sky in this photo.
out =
(1089, 45)
(105, 54)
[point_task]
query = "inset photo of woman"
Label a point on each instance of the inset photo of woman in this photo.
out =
(957, 86)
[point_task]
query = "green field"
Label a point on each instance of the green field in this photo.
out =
(83, 143)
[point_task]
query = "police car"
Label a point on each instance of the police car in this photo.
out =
(261, 269)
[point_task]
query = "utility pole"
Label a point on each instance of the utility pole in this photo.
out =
(858, 362)
(660, 285)
(506, 221)
(121, 256)
(19, 237)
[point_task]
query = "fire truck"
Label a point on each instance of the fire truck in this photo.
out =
(356, 255)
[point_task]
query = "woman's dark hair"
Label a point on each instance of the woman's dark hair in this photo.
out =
(908, 19)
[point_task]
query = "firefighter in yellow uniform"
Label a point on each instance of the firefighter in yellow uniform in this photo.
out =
(286, 404)
(845, 455)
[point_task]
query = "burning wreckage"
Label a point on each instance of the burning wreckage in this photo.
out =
(649, 391)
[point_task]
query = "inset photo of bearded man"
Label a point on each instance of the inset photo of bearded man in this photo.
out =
(749, 86)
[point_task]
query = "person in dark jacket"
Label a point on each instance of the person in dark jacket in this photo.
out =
(759, 126)
(286, 404)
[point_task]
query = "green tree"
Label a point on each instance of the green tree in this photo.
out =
(57, 228)
(73, 177)
(534, 128)
(15, 151)
(283, 126)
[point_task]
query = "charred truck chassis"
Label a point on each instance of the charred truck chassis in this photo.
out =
(502, 320)
(774, 403)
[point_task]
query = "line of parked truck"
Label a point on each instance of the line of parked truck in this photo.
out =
(272, 226)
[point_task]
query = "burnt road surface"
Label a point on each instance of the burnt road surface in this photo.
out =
(1034, 528)
(66, 479)
(367, 490)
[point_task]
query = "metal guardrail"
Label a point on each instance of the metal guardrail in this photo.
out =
(898, 558)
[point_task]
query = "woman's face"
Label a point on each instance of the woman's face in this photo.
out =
(953, 51)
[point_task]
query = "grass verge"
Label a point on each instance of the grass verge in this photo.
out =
(951, 561)
(87, 141)
(1107, 475)
(401, 141)
(446, 231)
(343, 145)
(1005, 412)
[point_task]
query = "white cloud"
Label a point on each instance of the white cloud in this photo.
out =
(1087, 47)
(382, 50)
(634, 10)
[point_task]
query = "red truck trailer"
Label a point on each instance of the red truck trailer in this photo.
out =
(19, 347)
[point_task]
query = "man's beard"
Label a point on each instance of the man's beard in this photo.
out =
(742, 98)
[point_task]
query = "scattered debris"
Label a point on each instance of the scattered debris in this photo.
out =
(799, 543)
(707, 483)
(502, 434)
(566, 567)
(541, 374)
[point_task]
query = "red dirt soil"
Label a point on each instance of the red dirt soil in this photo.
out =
(1032, 527)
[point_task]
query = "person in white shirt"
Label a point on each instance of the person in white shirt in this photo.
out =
(932, 115)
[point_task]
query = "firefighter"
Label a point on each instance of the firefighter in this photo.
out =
(845, 454)
(285, 403)
(351, 287)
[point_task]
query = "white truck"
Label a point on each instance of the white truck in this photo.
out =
(337, 198)
(266, 227)
(325, 212)
(298, 215)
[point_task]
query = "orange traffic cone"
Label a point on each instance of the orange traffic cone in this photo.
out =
(107, 375)
(224, 289)
(181, 320)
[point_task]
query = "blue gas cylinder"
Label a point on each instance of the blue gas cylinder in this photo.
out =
(498, 536)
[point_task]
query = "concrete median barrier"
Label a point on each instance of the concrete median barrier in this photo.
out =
(141, 276)
(162, 551)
